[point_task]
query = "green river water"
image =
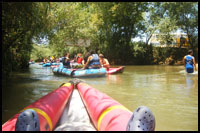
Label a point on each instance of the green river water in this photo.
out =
(168, 91)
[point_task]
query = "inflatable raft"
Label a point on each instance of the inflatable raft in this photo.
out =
(113, 70)
(49, 64)
(31, 62)
(86, 72)
(52, 66)
(79, 72)
(51, 112)
(44, 113)
(46, 64)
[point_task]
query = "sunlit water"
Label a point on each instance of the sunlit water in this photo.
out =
(168, 91)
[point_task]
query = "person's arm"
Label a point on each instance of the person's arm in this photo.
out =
(101, 62)
(85, 65)
(184, 60)
(107, 63)
(194, 64)
(83, 62)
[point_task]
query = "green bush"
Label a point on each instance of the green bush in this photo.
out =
(39, 52)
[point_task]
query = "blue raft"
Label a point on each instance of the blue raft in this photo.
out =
(46, 65)
(49, 64)
(31, 62)
(75, 73)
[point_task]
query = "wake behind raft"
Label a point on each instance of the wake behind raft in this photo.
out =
(102, 113)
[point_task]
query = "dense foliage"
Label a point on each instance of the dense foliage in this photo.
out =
(20, 23)
(109, 27)
(39, 52)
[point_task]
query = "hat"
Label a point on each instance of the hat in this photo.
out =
(101, 55)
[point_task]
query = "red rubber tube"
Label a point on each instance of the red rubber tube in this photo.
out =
(106, 113)
(49, 108)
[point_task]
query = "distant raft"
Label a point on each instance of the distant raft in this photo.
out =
(31, 62)
(79, 72)
(114, 70)
(46, 65)
(49, 64)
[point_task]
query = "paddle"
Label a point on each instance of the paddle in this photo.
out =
(72, 73)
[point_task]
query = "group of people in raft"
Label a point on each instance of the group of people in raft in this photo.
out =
(90, 60)
(51, 59)
(95, 61)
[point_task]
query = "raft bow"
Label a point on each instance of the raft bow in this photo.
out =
(105, 113)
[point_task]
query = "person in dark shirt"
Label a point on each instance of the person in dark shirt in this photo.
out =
(66, 61)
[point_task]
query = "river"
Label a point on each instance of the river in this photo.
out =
(170, 93)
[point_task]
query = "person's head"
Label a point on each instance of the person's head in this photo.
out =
(190, 52)
(79, 54)
(92, 52)
(66, 55)
(101, 56)
(86, 56)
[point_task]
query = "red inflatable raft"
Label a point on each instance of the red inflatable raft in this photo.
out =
(109, 115)
(106, 114)
(113, 70)
(49, 108)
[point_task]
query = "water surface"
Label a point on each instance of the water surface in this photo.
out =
(168, 91)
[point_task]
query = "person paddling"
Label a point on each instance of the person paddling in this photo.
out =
(189, 62)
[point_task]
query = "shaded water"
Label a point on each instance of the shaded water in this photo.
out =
(168, 91)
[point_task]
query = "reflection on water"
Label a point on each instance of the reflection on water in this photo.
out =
(168, 91)
(189, 81)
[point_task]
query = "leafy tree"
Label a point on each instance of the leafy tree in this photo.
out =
(166, 29)
(71, 23)
(40, 51)
(151, 20)
(121, 22)
(21, 22)
(186, 16)
(108, 26)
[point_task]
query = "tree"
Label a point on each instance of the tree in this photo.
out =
(109, 26)
(121, 22)
(151, 20)
(21, 21)
(71, 22)
(186, 16)
(166, 29)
